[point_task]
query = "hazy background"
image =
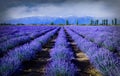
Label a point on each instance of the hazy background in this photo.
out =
(13, 9)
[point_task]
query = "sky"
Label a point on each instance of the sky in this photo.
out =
(13, 9)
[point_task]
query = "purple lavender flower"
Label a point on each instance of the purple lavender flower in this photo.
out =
(109, 45)
(11, 61)
(4, 47)
(61, 53)
(106, 62)
(60, 68)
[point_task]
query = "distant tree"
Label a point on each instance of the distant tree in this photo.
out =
(34, 24)
(103, 22)
(106, 21)
(52, 23)
(97, 22)
(115, 21)
(5, 24)
(67, 22)
(77, 22)
(92, 22)
(2, 24)
(19, 24)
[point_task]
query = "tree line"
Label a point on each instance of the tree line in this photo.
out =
(92, 22)
(104, 22)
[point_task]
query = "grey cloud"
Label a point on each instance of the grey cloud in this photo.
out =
(11, 3)
(112, 5)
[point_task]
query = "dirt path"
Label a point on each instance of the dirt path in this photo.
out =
(36, 67)
(20, 44)
(81, 60)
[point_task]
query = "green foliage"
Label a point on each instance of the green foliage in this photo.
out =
(115, 21)
(97, 22)
(67, 22)
(105, 22)
(52, 23)
(2, 24)
(92, 22)
(20, 24)
(77, 23)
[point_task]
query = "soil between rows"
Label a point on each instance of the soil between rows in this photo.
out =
(36, 66)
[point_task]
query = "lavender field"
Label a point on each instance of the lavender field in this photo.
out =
(59, 51)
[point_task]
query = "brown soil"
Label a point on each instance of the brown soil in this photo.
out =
(1, 55)
(36, 66)
(82, 61)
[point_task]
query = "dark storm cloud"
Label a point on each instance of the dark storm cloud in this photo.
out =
(5, 5)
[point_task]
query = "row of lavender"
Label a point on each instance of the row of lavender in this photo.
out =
(19, 31)
(108, 37)
(61, 56)
(25, 35)
(13, 42)
(102, 59)
(11, 61)
(10, 30)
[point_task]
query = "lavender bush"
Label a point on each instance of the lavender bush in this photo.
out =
(11, 61)
(105, 61)
(60, 68)
(108, 38)
(4, 47)
(61, 53)
(61, 56)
